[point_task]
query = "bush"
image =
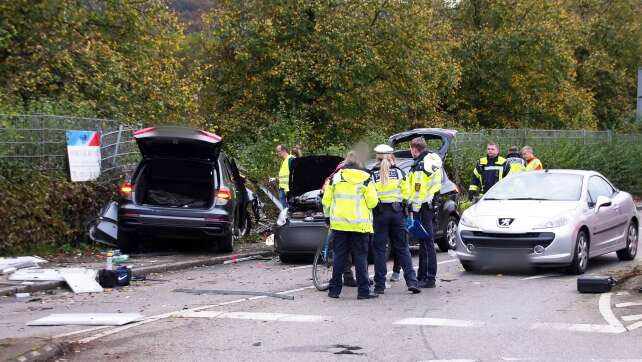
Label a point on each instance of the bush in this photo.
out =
(40, 210)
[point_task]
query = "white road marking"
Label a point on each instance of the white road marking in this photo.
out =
(438, 322)
(169, 314)
(604, 306)
(447, 261)
(632, 318)
(589, 328)
(542, 276)
(275, 317)
(634, 326)
(628, 304)
(299, 267)
(450, 360)
(619, 294)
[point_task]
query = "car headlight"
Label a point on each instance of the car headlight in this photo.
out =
(554, 223)
(468, 221)
(283, 217)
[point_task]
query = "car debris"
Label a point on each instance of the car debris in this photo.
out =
(80, 280)
(10, 265)
(595, 284)
(233, 292)
(87, 319)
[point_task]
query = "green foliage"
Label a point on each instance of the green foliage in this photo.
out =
(40, 210)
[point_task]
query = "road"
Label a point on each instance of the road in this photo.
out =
(469, 317)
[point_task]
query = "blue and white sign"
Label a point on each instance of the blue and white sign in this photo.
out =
(83, 148)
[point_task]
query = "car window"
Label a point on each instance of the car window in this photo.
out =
(538, 185)
(225, 170)
(402, 148)
(597, 187)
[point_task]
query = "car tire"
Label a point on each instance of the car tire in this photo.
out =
(225, 244)
(468, 266)
(449, 241)
(631, 249)
(127, 242)
(580, 254)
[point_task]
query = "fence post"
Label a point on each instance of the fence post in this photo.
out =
(610, 137)
(583, 137)
(115, 156)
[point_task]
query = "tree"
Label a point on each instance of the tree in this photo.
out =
(342, 69)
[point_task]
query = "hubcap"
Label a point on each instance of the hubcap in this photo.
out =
(582, 252)
(632, 239)
(451, 230)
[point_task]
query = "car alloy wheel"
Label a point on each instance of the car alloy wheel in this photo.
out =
(582, 251)
(451, 232)
(632, 239)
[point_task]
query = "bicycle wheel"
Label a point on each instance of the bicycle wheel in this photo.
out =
(322, 266)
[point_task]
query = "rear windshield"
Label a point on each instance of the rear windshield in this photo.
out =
(538, 186)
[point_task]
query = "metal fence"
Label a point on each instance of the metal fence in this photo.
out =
(523, 136)
(39, 142)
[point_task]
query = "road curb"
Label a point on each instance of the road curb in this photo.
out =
(44, 353)
(142, 271)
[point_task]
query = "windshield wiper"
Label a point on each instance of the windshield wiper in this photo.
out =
(528, 198)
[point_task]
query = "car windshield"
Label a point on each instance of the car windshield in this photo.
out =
(538, 186)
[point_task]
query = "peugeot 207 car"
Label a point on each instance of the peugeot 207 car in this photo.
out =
(184, 187)
(446, 214)
(556, 218)
(301, 228)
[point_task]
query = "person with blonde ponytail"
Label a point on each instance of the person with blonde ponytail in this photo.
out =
(390, 183)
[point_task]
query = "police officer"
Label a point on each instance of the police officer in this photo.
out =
(284, 173)
(348, 202)
(515, 161)
(390, 183)
(424, 182)
(488, 171)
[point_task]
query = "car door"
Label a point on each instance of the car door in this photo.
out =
(605, 221)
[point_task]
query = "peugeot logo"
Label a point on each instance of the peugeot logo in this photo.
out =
(504, 222)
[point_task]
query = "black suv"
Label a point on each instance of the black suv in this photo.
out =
(185, 187)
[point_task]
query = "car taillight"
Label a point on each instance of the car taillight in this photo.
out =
(126, 189)
(223, 193)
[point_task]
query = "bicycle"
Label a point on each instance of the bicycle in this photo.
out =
(322, 266)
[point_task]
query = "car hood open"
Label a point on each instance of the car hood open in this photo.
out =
(308, 173)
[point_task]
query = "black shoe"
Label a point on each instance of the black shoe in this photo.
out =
(333, 295)
(414, 289)
(379, 290)
(427, 284)
(349, 282)
(367, 296)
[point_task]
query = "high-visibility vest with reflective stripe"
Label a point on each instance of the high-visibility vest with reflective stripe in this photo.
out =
(348, 201)
(534, 164)
(517, 164)
(395, 190)
(423, 187)
(284, 174)
(485, 175)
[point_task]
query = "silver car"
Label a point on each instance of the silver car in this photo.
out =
(556, 218)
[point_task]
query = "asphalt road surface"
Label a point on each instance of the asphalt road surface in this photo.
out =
(492, 316)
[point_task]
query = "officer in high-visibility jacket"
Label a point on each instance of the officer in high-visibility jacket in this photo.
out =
(424, 183)
(284, 173)
(515, 161)
(392, 190)
(488, 171)
(532, 163)
(348, 201)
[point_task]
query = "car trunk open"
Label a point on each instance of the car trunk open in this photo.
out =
(176, 183)
(307, 176)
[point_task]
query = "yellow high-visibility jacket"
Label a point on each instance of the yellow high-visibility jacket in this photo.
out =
(395, 190)
(422, 186)
(284, 174)
(349, 199)
(534, 165)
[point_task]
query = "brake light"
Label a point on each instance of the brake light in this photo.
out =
(144, 130)
(211, 135)
(126, 189)
(224, 193)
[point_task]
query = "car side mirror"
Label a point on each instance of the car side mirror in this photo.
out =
(602, 201)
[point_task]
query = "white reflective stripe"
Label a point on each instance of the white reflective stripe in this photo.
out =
(346, 196)
(284, 177)
(357, 214)
(390, 193)
(494, 168)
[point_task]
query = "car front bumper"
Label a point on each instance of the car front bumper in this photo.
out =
(487, 245)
